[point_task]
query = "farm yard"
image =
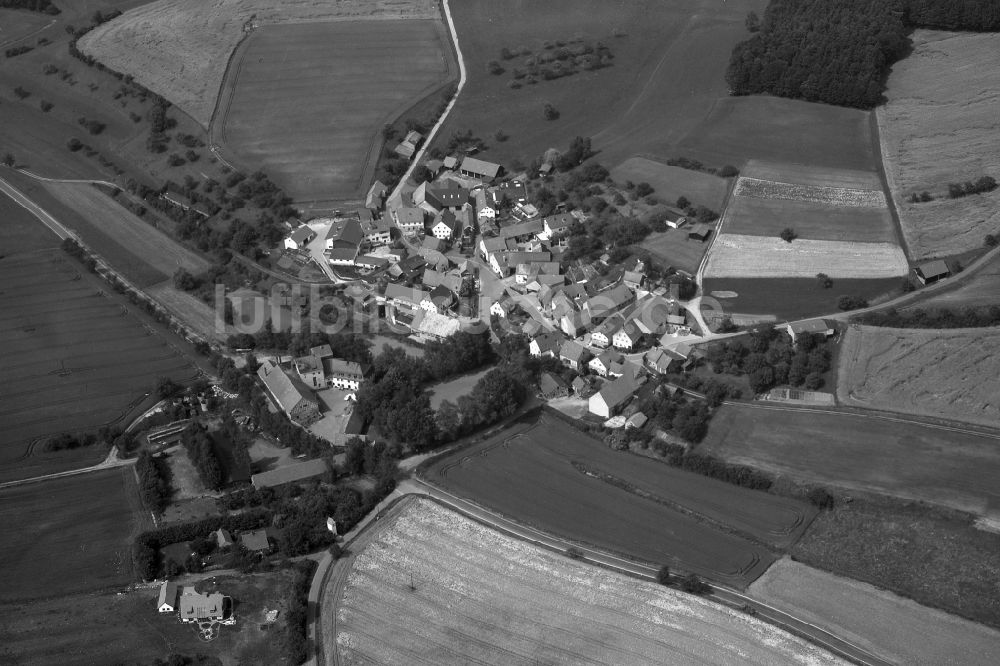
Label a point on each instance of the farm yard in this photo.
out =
(956, 469)
(184, 61)
(671, 182)
(307, 102)
(898, 629)
(545, 473)
(75, 358)
(920, 371)
(71, 534)
(938, 128)
(794, 298)
(738, 255)
(630, 108)
(481, 596)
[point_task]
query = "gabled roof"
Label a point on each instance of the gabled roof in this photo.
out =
(321, 352)
(256, 540)
(548, 342)
(431, 243)
(302, 235)
(631, 330)
(609, 300)
(299, 471)
(414, 137)
(515, 258)
(617, 392)
(481, 167)
(168, 594)
(634, 277)
(608, 358)
(450, 162)
(572, 351)
(450, 220)
(933, 269)
(449, 196)
(280, 385)
(345, 230)
(549, 383)
(610, 326)
(400, 292)
(409, 216)
(556, 223)
(810, 326)
(531, 227)
(338, 367)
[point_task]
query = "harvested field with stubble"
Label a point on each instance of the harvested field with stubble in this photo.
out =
(543, 472)
(956, 468)
(74, 357)
(179, 48)
(671, 182)
(893, 627)
(307, 102)
(938, 127)
(483, 597)
(950, 373)
(737, 255)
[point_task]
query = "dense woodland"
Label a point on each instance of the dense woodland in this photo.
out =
(769, 359)
(841, 52)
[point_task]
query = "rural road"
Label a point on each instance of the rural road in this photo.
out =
(36, 210)
(415, 487)
(110, 462)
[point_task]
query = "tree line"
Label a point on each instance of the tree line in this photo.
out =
(43, 6)
(969, 317)
(154, 486)
(201, 450)
(841, 52)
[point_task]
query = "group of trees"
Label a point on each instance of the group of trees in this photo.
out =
(726, 171)
(980, 186)
(555, 60)
(940, 318)
(201, 450)
(769, 359)
(154, 487)
(840, 52)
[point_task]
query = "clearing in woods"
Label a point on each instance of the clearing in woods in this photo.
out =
(899, 458)
(307, 102)
(886, 624)
(939, 127)
(671, 182)
(497, 600)
(184, 60)
(926, 372)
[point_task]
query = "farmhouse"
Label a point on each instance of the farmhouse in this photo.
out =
(512, 191)
(546, 344)
(296, 401)
(604, 334)
(485, 211)
(446, 226)
(814, 326)
(502, 307)
(573, 324)
(300, 471)
(627, 336)
(932, 271)
(602, 364)
(167, 601)
(408, 220)
(554, 225)
(223, 539)
(634, 279)
(553, 386)
(196, 607)
(299, 238)
(480, 169)
(613, 396)
(377, 230)
(607, 302)
(700, 232)
(522, 231)
(573, 354)
(343, 240)
(437, 198)
(375, 199)
(660, 360)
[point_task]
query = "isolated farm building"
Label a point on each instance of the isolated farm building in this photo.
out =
(573, 354)
(503, 307)
(522, 231)
(613, 396)
(375, 199)
(627, 337)
(223, 539)
(573, 324)
(377, 230)
(197, 607)
(481, 169)
(553, 386)
(674, 218)
(290, 395)
(447, 226)
(814, 326)
(554, 225)
(408, 220)
(604, 334)
(256, 540)
(167, 601)
(700, 232)
(603, 304)
(932, 271)
(602, 364)
(300, 471)
(299, 238)
(546, 344)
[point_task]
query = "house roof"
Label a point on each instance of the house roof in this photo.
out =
(494, 244)
(548, 342)
(659, 359)
(299, 471)
(635, 277)
(637, 420)
(609, 300)
(345, 230)
(196, 606)
(338, 367)
(376, 193)
(549, 382)
(434, 165)
(631, 330)
(515, 258)
(409, 216)
(607, 358)
(617, 392)
(168, 594)
(700, 230)
(431, 243)
(438, 325)
(450, 162)
(398, 292)
(322, 351)
(302, 235)
(257, 539)
(531, 227)
(450, 220)
(280, 385)
(223, 537)
(481, 167)
(413, 136)
(572, 351)
(342, 254)
(933, 269)
(558, 222)
(449, 196)
(810, 326)
(610, 326)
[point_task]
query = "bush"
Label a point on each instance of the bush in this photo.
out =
(45, 105)
(728, 171)
(663, 575)
(74, 144)
(643, 189)
(788, 234)
(846, 302)
(550, 112)
(694, 585)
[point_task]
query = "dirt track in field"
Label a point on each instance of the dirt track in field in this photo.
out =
(950, 373)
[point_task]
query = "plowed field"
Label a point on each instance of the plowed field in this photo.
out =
(950, 373)
(481, 597)
(548, 474)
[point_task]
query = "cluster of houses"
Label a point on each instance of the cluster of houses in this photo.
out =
(293, 393)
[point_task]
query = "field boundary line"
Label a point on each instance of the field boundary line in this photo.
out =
(887, 178)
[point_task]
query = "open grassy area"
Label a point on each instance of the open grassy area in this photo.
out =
(18, 27)
(454, 389)
(671, 182)
(815, 221)
(935, 557)
(70, 535)
(667, 72)
(924, 372)
(483, 597)
(915, 461)
(546, 473)
(74, 357)
(897, 629)
(782, 130)
(21, 231)
(795, 298)
(307, 101)
(939, 127)
(674, 248)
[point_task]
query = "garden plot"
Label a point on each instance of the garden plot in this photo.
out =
(435, 587)
(836, 196)
(736, 255)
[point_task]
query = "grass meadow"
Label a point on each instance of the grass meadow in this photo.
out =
(671, 182)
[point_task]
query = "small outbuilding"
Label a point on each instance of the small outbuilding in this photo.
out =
(167, 601)
(700, 232)
(932, 271)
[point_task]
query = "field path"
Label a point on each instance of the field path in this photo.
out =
(110, 462)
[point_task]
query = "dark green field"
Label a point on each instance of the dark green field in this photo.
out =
(795, 298)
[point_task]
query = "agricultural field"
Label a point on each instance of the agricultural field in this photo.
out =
(893, 627)
(768, 217)
(21, 231)
(739, 255)
(126, 629)
(939, 128)
(546, 473)
(780, 130)
(195, 313)
(673, 248)
(983, 289)
(671, 182)
(71, 534)
(481, 596)
(951, 467)
(814, 176)
(18, 26)
(75, 358)
(184, 61)
(307, 102)
(821, 194)
(630, 108)
(793, 298)
(948, 373)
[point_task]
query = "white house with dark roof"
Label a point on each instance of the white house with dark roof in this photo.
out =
(627, 336)
(814, 326)
(613, 396)
(299, 238)
(485, 210)
(553, 225)
(573, 354)
(408, 220)
(602, 364)
(546, 344)
(166, 602)
(446, 226)
(604, 334)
